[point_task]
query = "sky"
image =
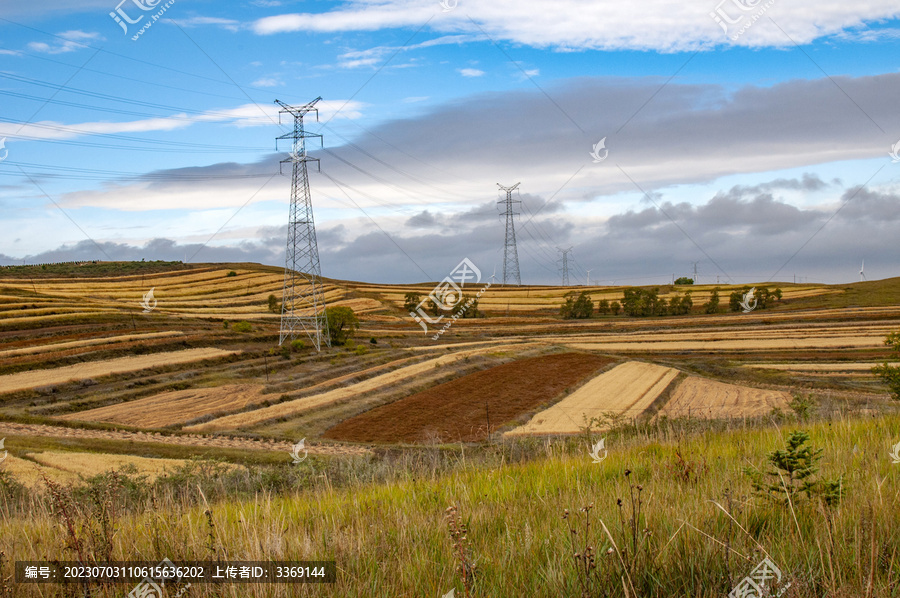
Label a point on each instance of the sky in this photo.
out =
(751, 141)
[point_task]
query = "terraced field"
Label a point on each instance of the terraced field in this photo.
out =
(629, 389)
(708, 399)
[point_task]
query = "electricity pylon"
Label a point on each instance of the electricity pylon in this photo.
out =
(510, 253)
(564, 265)
(303, 297)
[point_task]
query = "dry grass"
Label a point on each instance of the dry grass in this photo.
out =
(174, 407)
(96, 369)
(106, 340)
(709, 399)
(629, 389)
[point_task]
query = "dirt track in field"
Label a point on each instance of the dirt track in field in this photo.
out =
(710, 399)
(13, 429)
(458, 411)
(629, 389)
(96, 369)
(174, 407)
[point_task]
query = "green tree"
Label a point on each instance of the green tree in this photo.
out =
(890, 374)
(792, 474)
(712, 306)
(273, 304)
(342, 323)
(684, 280)
(603, 307)
(577, 306)
(614, 308)
(411, 301)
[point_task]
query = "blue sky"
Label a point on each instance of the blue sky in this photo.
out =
(761, 152)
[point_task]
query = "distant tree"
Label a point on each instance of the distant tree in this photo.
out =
(614, 308)
(712, 306)
(577, 306)
(889, 374)
(734, 300)
(684, 280)
(679, 306)
(342, 323)
(687, 303)
(777, 294)
(230, 273)
(603, 307)
(242, 326)
(411, 301)
(273, 304)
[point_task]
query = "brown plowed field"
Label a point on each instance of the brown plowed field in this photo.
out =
(174, 407)
(709, 399)
(301, 405)
(628, 389)
(458, 410)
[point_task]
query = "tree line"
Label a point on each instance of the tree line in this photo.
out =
(639, 302)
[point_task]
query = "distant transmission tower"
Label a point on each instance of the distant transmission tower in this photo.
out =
(510, 253)
(564, 265)
(302, 305)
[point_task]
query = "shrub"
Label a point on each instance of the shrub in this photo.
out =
(684, 280)
(298, 344)
(242, 326)
(273, 304)
(342, 323)
(889, 374)
(793, 474)
(372, 341)
(231, 273)
(411, 301)
(577, 306)
(361, 349)
(225, 324)
(712, 306)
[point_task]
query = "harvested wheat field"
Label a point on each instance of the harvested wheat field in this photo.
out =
(68, 468)
(709, 399)
(459, 410)
(629, 389)
(96, 369)
(297, 406)
(818, 367)
(105, 340)
(174, 407)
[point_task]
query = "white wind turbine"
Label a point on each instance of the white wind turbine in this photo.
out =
(862, 271)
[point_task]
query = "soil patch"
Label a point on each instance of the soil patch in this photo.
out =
(459, 410)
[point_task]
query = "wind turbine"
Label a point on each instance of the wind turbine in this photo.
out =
(862, 272)
(589, 278)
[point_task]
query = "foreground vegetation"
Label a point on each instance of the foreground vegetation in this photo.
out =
(671, 511)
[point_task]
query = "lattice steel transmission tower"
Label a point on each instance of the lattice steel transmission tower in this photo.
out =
(564, 265)
(510, 253)
(303, 304)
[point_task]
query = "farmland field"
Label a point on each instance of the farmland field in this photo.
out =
(396, 426)
(470, 408)
(697, 397)
(628, 389)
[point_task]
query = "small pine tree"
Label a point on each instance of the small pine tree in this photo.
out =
(793, 474)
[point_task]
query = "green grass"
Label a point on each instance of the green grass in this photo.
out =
(390, 539)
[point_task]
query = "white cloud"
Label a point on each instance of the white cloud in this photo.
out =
(470, 72)
(247, 115)
(577, 25)
(227, 24)
(268, 82)
(72, 41)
